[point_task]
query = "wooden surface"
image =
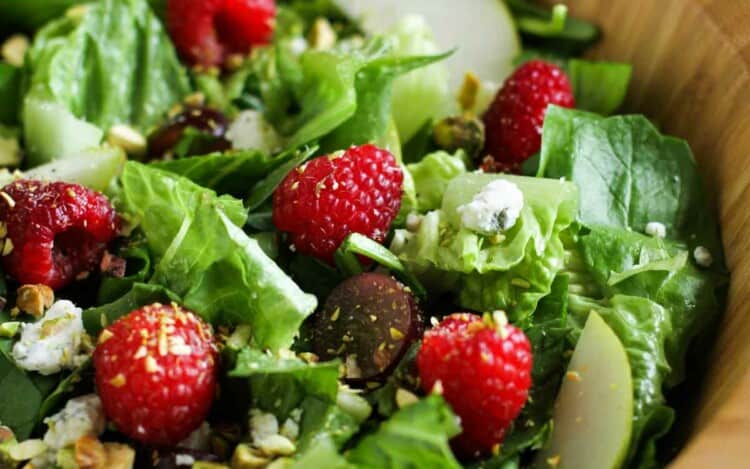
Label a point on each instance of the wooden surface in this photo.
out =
(690, 60)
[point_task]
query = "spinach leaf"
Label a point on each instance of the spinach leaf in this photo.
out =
(202, 254)
(113, 65)
(66, 387)
(265, 187)
(416, 436)
(232, 172)
(23, 394)
(140, 294)
(599, 86)
(629, 175)
(553, 30)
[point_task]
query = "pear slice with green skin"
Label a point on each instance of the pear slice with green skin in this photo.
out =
(94, 168)
(593, 413)
(484, 34)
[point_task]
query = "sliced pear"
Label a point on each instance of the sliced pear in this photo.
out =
(594, 411)
(483, 33)
(94, 168)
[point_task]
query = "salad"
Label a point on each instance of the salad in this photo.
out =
(340, 234)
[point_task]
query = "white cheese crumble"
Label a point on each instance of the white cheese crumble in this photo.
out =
(656, 229)
(81, 416)
(53, 342)
(494, 209)
(251, 131)
(184, 460)
(703, 257)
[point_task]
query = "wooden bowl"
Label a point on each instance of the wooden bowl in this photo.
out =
(690, 62)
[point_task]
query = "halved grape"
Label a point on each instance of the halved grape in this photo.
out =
(368, 321)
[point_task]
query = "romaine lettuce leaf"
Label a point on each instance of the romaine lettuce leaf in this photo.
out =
(628, 263)
(416, 436)
(112, 65)
(629, 175)
(432, 175)
(279, 385)
(202, 254)
(512, 272)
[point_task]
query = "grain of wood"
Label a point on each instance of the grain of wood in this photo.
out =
(691, 61)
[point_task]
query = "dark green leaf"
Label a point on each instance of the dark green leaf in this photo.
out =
(138, 269)
(10, 93)
(263, 189)
(141, 294)
(538, 28)
(629, 175)
(233, 172)
(599, 86)
(23, 394)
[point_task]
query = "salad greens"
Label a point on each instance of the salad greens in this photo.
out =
(103, 67)
(199, 230)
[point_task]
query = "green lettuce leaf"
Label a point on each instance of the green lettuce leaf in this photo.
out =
(629, 175)
(279, 385)
(628, 263)
(416, 436)
(112, 65)
(512, 272)
(552, 30)
(374, 89)
(201, 253)
(432, 175)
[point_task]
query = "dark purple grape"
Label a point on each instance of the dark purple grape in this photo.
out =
(210, 122)
(368, 321)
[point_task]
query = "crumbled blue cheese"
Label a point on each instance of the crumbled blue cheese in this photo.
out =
(656, 229)
(251, 131)
(54, 342)
(81, 416)
(703, 257)
(494, 209)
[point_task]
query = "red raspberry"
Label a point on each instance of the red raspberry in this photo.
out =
(206, 32)
(156, 373)
(514, 120)
(55, 231)
(330, 197)
(485, 373)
